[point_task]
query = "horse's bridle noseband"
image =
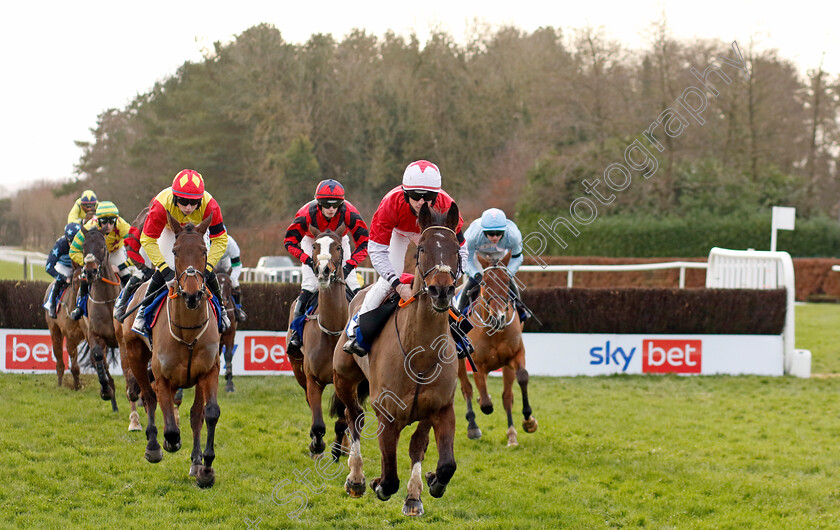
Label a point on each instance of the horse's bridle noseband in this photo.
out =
(438, 267)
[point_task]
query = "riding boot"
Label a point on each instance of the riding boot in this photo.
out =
(237, 304)
(524, 312)
(293, 340)
(78, 311)
(213, 283)
(59, 285)
(466, 294)
(132, 285)
(459, 327)
(351, 293)
(157, 283)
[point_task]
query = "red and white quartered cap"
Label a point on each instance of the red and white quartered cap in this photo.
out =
(421, 175)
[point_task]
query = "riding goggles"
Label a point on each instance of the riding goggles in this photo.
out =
(329, 203)
(494, 233)
(187, 202)
(416, 195)
(107, 221)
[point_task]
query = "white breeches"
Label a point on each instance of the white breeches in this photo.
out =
(396, 253)
(309, 282)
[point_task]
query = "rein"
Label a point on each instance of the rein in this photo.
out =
(333, 278)
(90, 258)
(190, 345)
(439, 267)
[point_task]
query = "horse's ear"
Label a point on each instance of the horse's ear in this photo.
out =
(453, 217)
(506, 259)
(425, 216)
(204, 224)
(484, 262)
(315, 232)
(173, 224)
(84, 230)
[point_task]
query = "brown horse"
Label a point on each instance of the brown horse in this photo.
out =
(497, 337)
(185, 353)
(103, 289)
(65, 329)
(228, 337)
(411, 370)
(314, 367)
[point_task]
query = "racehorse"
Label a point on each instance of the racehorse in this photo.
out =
(63, 328)
(103, 289)
(411, 371)
(227, 339)
(497, 337)
(185, 353)
(314, 367)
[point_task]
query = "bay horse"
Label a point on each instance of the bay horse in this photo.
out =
(228, 337)
(103, 289)
(497, 338)
(64, 329)
(411, 371)
(184, 353)
(313, 369)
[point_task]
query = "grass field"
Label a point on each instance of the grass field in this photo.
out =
(641, 451)
(14, 271)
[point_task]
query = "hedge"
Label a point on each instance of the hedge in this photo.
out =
(558, 310)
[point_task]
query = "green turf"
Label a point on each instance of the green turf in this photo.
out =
(14, 271)
(660, 452)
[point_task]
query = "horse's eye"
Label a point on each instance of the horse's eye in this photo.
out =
(421, 250)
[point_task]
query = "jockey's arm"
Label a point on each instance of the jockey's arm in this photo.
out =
(294, 235)
(52, 259)
(361, 237)
(233, 253)
(76, 213)
(218, 244)
(516, 257)
(76, 252)
(472, 242)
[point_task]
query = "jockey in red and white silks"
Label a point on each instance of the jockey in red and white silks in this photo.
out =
(393, 226)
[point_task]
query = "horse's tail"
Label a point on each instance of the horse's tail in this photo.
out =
(86, 361)
(337, 407)
(363, 391)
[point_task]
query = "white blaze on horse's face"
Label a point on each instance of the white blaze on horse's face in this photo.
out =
(323, 246)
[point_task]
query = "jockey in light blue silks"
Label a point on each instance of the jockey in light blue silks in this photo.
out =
(492, 235)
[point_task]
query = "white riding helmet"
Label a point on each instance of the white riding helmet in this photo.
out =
(421, 175)
(493, 220)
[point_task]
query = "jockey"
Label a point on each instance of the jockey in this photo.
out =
(59, 265)
(230, 260)
(187, 202)
(393, 226)
(329, 211)
(492, 234)
(115, 229)
(143, 272)
(83, 205)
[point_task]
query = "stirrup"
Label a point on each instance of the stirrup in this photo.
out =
(352, 347)
(140, 321)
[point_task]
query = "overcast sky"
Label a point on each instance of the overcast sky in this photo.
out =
(63, 63)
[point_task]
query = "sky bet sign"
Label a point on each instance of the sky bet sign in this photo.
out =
(681, 356)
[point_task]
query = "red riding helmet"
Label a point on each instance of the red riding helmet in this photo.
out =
(188, 184)
(329, 189)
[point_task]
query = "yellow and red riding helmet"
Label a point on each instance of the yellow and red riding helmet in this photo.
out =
(188, 184)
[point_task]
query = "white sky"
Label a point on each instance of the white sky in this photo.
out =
(63, 63)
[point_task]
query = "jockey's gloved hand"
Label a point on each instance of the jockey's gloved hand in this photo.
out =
(309, 261)
(61, 279)
(477, 277)
(166, 273)
(348, 269)
(208, 268)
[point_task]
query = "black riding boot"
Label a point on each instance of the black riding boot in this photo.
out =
(132, 285)
(213, 283)
(78, 312)
(524, 312)
(467, 293)
(293, 340)
(158, 282)
(59, 285)
(237, 304)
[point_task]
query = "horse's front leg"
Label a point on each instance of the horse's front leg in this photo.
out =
(480, 377)
(196, 419)
(529, 423)
(171, 432)
(388, 482)
(507, 401)
(345, 390)
(206, 477)
(97, 351)
(229, 365)
(444, 424)
(319, 429)
(473, 432)
(57, 340)
(413, 506)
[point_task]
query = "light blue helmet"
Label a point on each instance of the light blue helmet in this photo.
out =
(70, 230)
(493, 220)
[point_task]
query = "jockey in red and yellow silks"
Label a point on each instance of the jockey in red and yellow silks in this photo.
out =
(187, 202)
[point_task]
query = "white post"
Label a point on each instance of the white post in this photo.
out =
(783, 219)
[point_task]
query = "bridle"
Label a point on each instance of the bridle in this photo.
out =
(506, 299)
(332, 278)
(97, 273)
(435, 268)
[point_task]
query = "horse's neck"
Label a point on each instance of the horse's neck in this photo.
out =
(184, 316)
(108, 274)
(419, 323)
(332, 305)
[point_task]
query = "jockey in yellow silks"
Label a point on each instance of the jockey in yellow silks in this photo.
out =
(187, 202)
(84, 204)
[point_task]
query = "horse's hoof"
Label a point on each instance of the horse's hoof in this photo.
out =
(317, 446)
(194, 470)
(134, 422)
(530, 425)
(511, 436)
(474, 434)
(487, 409)
(379, 493)
(206, 477)
(413, 507)
(512, 443)
(229, 387)
(354, 490)
(105, 395)
(436, 489)
(154, 455)
(172, 448)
